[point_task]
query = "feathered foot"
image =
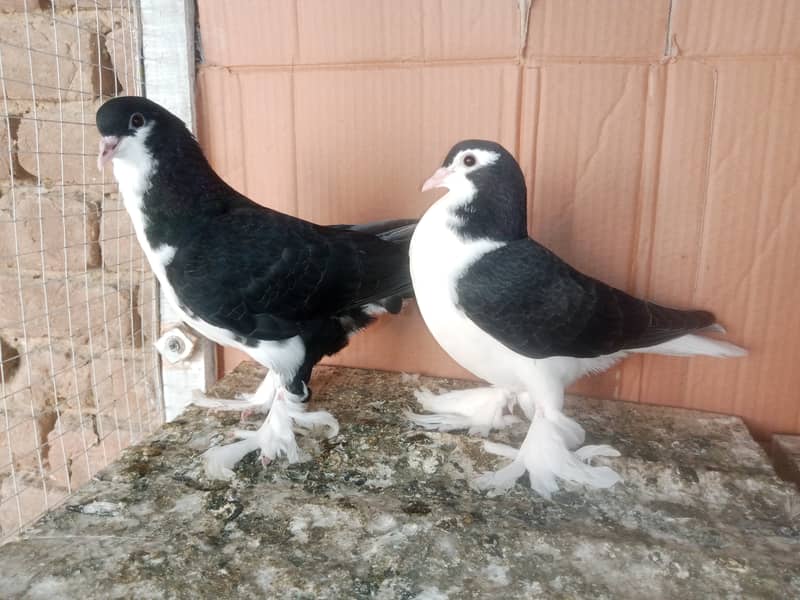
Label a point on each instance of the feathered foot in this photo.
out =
(258, 402)
(545, 454)
(275, 438)
(478, 410)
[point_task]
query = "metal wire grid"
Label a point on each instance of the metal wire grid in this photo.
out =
(79, 378)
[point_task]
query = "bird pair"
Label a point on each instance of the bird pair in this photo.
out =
(289, 292)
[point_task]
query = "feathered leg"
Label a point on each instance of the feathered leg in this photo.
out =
(478, 410)
(547, 451)
(257, 402)
(275, 438)
(287, 410)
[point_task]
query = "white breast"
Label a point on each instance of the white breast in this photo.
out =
(438, 257)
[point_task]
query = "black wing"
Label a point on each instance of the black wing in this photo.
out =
(536, 304)
(262, 274)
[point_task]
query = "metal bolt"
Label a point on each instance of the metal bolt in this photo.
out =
(175, 345)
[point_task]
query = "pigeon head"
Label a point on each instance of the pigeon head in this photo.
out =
(129, 126)
(486, 190)
(467, 162)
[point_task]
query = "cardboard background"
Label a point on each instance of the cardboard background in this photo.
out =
(658, 139)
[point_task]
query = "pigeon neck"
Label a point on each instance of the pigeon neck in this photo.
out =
(182, 191)
(494, 216)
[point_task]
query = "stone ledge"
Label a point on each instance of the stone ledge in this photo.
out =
(786, 454)
(385, 511)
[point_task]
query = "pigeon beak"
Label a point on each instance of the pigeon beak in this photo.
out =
(437, 179)
(108, 147)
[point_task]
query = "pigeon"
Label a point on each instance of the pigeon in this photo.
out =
(285, 291)
(513, 313)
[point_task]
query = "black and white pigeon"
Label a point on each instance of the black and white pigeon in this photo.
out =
(286, 291)
(514, 314)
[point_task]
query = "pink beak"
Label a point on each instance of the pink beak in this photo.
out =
(108, 147)
(437, 179)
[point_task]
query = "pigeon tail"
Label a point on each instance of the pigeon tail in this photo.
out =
(693, 345)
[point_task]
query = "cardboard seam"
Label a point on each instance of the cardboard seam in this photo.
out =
(531, 62)
(637, 234)
(547, 59)
(618, 103)
(518, 109)
(657, 159)
(535, 150)
(293, 92)
(701, 245)
(707, 176)
(543, 60)
(743, 57)
(640, 367)
(668, 40)
(422, 27)
(647, 361)
(759, 255)
(626, 367)
(398, 64)
(296, 44)
(237, 81)
(524, 7)
(520, 125)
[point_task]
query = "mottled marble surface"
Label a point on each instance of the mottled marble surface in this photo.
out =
(786, 456)
(385, 511)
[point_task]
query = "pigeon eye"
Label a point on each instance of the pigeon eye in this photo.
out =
(469, 160)
(137, 120)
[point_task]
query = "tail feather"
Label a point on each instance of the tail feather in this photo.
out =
(692, 345)
(402, 233)
(389, 230)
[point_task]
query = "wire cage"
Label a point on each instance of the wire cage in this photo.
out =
(79, 376)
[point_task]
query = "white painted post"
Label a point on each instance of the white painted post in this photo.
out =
(168, 45)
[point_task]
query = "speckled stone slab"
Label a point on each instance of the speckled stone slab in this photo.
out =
(385, 511)
(786, 453)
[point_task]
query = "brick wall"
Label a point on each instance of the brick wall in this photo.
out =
(77, 303)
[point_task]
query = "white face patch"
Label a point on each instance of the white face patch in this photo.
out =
(133, 165)
(470, 160)
(462, 190)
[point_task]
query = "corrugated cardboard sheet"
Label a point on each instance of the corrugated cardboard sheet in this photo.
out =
(658, 138)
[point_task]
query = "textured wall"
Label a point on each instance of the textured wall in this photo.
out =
(77, 307)
(658, 140)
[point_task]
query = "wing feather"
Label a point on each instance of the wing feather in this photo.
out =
(539, 306)
(262, 274)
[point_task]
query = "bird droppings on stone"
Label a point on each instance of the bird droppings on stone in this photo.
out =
(703, 517)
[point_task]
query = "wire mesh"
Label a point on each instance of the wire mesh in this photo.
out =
(78, 305)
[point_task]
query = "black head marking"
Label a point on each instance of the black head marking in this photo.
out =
(498, 211)
(182, 183)
(123, 116)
